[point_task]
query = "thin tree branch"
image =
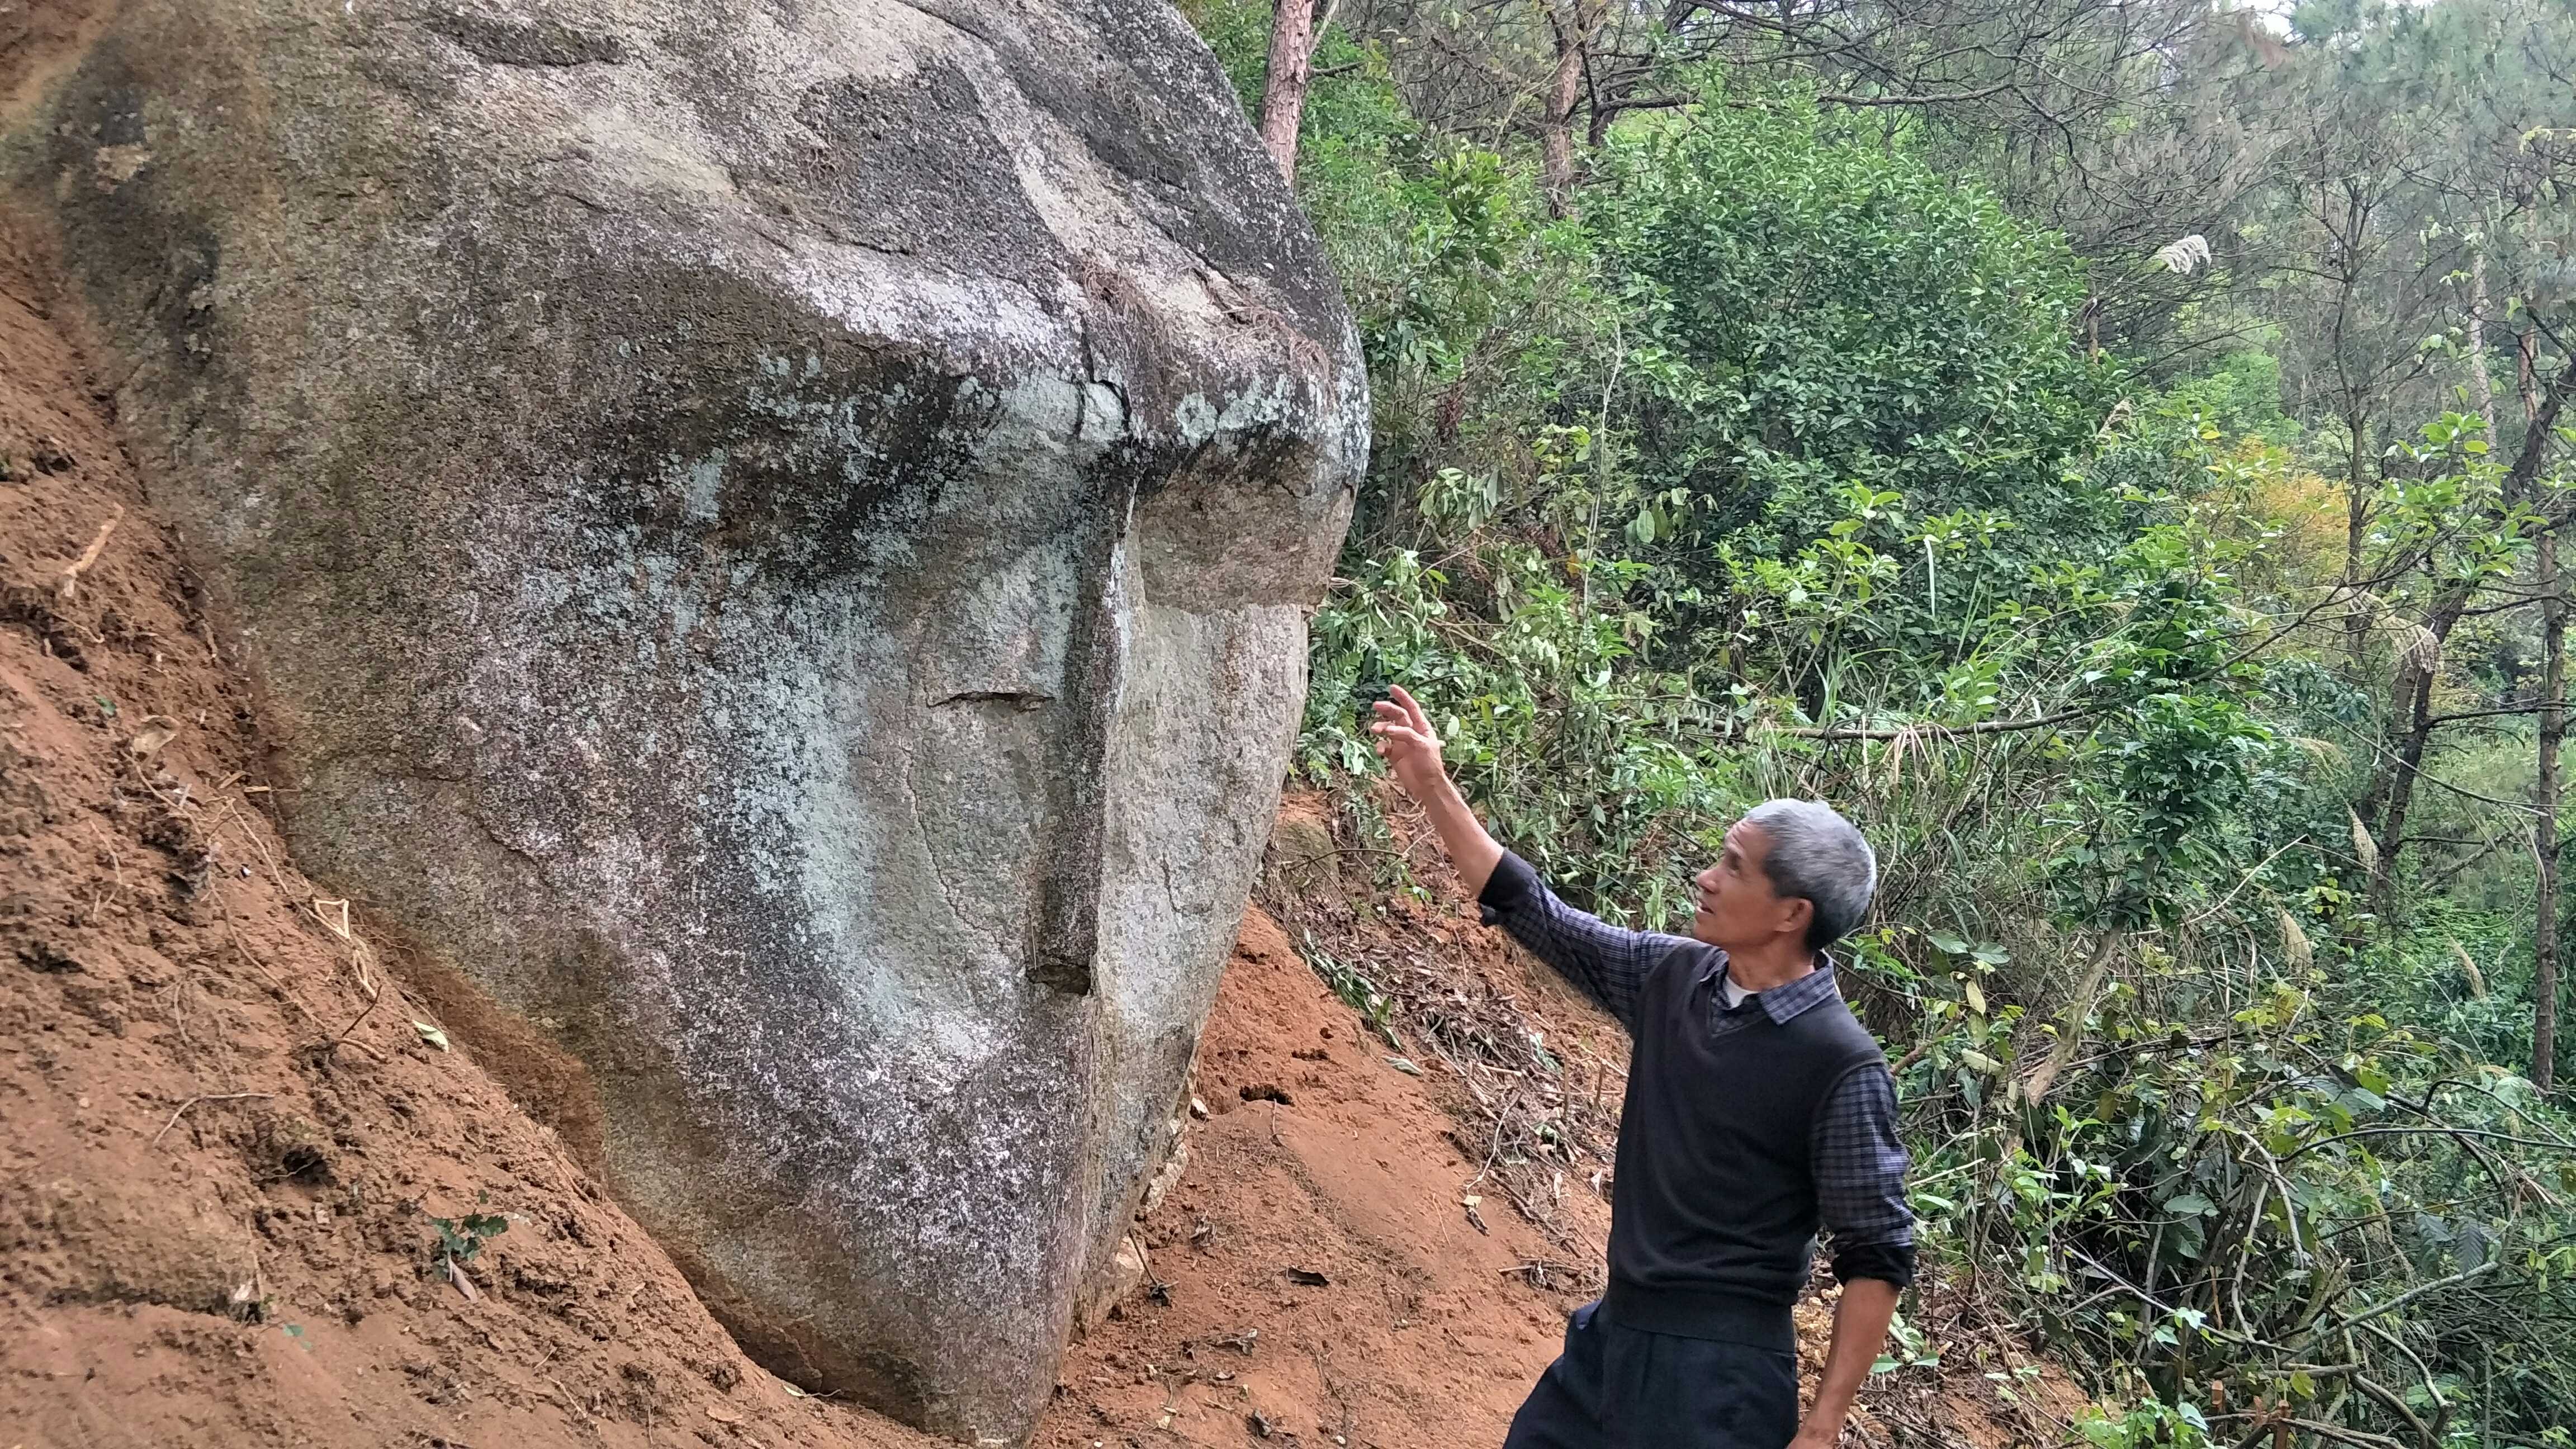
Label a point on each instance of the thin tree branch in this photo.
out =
(1981, 727)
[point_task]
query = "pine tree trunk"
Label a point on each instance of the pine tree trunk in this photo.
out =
(2553, 731)
(1283, 87)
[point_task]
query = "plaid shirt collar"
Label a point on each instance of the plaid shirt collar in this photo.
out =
(1784, 1002)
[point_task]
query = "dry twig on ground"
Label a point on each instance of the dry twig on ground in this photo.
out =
(69, 586)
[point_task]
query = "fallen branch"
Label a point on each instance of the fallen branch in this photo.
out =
(2529, 707)
(1981, 727)
(2438, 1131)
(2070, 1031)
(2410, 1295)
(2343, 1436)
(70, 583)
(192, 1101)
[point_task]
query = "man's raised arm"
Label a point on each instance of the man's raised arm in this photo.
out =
(1411, 749)
(1605, 961)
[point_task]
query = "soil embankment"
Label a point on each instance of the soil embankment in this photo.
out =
(1323, 1277)
(227, 1136)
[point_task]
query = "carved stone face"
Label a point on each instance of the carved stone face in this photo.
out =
(780, 534)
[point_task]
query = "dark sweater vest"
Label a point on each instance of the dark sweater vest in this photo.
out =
(1713, 1211)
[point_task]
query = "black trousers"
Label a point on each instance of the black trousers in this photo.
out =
(1625, 1388)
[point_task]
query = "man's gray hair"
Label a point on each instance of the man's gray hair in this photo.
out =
(1819, 856)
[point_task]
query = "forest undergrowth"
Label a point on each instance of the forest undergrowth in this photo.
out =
(2113, 452)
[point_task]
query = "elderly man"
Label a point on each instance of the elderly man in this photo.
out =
(1758, 1110)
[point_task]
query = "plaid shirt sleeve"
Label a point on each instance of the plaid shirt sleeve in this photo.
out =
(1860, 1179)
(1607, 962)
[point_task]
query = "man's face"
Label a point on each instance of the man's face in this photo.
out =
(1736, 908)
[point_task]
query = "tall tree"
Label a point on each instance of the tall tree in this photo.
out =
(2450, 604)
(2553, 732)
(1572, 24)
(1295, 25)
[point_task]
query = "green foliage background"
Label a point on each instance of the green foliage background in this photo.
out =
(1794, 426)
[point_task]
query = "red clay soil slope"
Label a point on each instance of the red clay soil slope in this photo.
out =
(223, 1139)
(1322, 1282)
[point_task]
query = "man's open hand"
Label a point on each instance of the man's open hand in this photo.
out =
(1411, 749)
(1408, 744)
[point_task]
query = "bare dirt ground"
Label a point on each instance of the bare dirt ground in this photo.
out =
(1323, 1282)
(228, 1135)
(223, 1140)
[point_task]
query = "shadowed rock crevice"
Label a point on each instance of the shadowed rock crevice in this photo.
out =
(545, 42)
(777, 538)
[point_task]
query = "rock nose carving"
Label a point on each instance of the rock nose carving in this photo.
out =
(778, 533)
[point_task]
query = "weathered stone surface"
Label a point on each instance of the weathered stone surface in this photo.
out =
(776, 534)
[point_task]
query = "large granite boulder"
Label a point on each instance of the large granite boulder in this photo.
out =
(776, 536)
